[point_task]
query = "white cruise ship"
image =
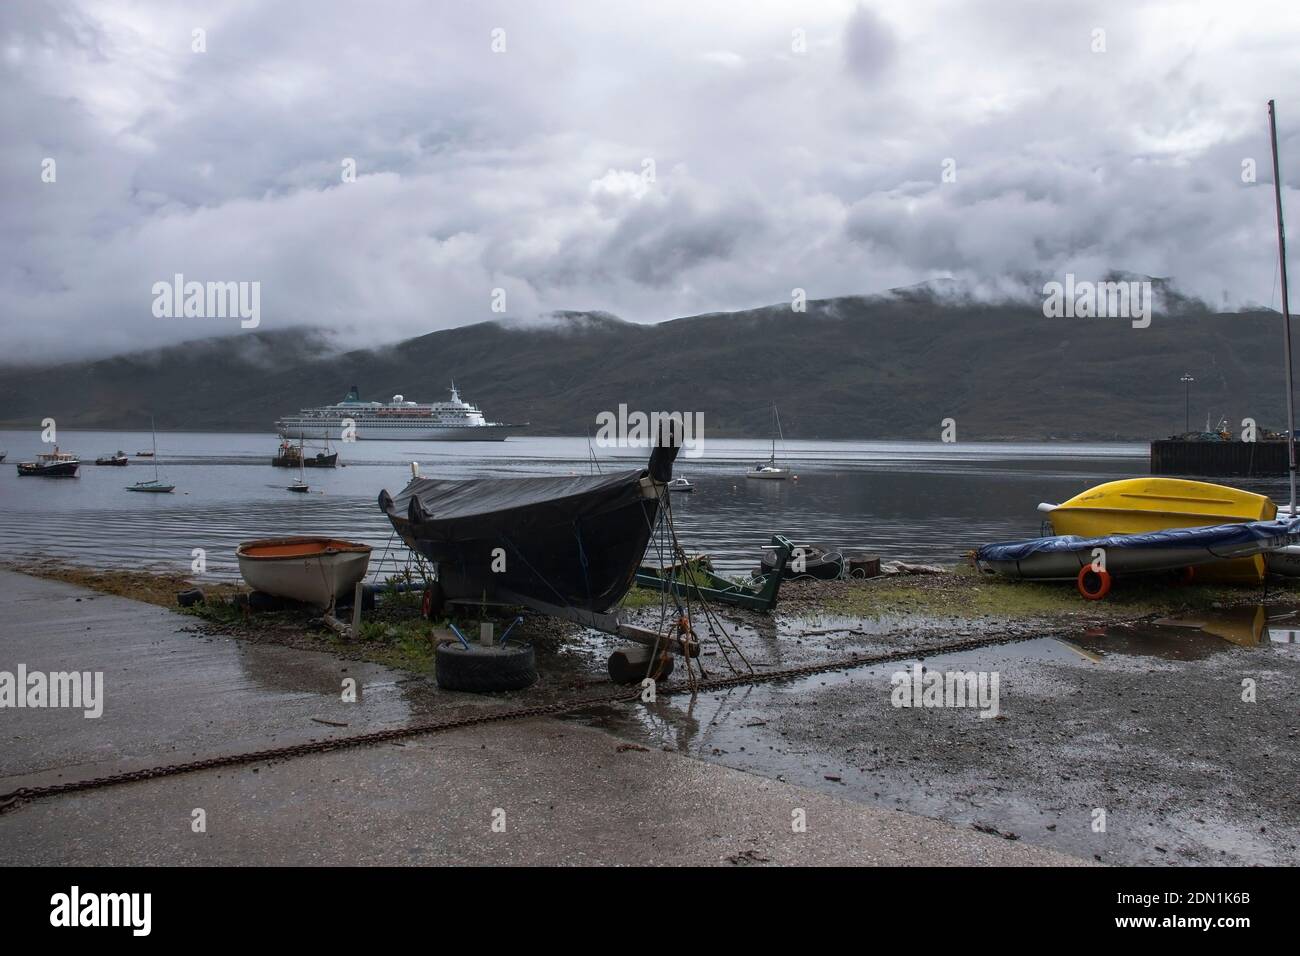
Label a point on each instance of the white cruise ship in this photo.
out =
(398, 420)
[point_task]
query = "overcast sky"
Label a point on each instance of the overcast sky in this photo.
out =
(775, 164)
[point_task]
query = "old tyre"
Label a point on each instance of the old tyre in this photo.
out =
(1093, 584)
(482, 670)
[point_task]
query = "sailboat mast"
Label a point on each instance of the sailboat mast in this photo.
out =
(153, 430)
(1286, 306)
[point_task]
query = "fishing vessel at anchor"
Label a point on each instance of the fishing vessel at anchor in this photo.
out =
(396, 420)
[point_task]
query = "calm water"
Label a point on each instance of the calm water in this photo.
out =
(915, 501)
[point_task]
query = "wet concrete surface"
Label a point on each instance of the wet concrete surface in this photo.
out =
(564, 795)
(169, 694)
(567, 793)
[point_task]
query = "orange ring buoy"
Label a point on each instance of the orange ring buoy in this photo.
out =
(1093, 585)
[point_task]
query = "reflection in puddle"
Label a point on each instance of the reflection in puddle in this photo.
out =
(1243, 626)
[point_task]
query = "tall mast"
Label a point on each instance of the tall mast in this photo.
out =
(153, 430)
(1286, 306)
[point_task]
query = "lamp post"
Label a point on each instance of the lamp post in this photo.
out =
(1187, 401)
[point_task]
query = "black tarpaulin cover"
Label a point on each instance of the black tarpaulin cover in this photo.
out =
(486, 507)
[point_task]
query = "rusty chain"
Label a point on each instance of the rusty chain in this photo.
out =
(16, 798)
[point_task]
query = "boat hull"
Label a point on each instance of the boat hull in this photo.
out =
(62, 469)
(313, 571)
(1284, 561)
(573, 542)
(1139, 505)
(1061, 557)
(320, 460)
(308, 430)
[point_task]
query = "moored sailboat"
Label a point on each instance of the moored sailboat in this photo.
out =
(770, 469)
(154, 485)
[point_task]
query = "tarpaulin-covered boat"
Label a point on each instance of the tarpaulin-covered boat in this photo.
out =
(1136, 505)
(1062, 557)
(571, 542)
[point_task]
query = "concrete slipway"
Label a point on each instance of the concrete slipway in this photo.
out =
(568, 793)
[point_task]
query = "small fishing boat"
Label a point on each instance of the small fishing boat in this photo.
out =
(289, 455)
(118, 460)
(144, 454)
(1092, 562)
(572, 542)
(299, 486)
(680, 484)
(56, 464)
(312, 570)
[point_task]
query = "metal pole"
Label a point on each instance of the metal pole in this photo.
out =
(1187, 401)
(1286, 305)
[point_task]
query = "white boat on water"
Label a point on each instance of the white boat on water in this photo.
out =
(311, 570)
(769, 469)
(396, 420)
(679, 484)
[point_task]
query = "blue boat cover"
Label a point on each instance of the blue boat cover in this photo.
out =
(1269, 534)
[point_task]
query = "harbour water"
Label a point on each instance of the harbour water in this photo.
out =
(914, 501)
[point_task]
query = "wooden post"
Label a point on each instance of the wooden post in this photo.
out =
(357, 592)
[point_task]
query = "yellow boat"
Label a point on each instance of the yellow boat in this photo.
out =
(1135, 505)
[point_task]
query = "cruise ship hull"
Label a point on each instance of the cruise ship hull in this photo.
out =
(333, 431)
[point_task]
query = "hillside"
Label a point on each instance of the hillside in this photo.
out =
(879, 367)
